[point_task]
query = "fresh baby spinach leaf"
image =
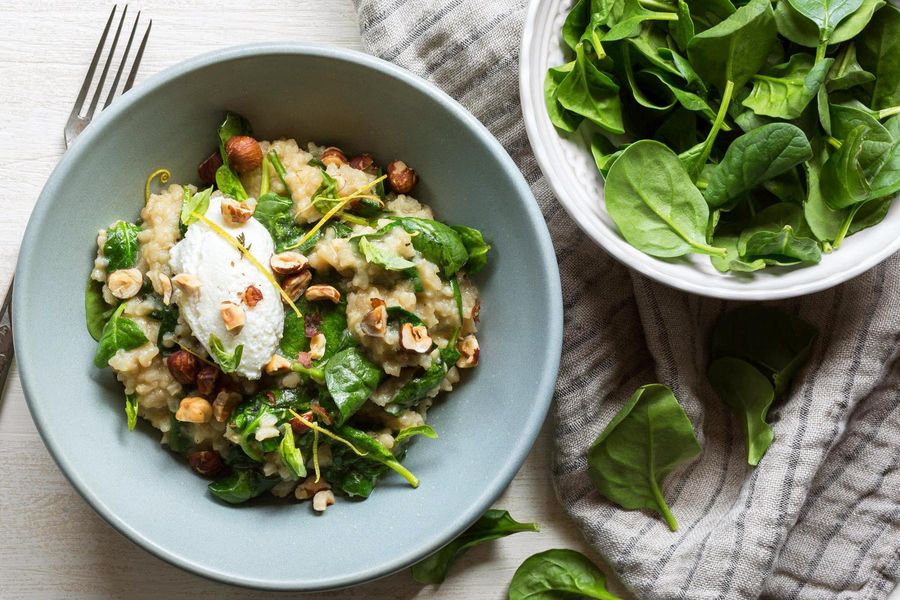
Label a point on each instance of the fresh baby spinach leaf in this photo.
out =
(290, 453)
(887, 181)
(879, 53)
(437, 242)
(194, 203)
(785, 90)
(589, 92)
(230, 184)
(351, 378)
(383, 258)
(410, 432)
(800, 30)
(655, 204)
(493, 525)
(131, 410)
(400, 315)
(97, 312)
(779, 235)
(732, 261)
(276, 213)
(234, 124)
(643, 443)
(476, 247)
(749, 394)
(121, 246)
(626, 16)
(843, 180)
(119, 333)
(826, 14)
(561, 118)
(877, 141)
(755, 157)
(556, 574)
(228, 361)
(846, 71)
(241, 485)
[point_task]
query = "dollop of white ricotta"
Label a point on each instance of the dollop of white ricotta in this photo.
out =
(224, 275)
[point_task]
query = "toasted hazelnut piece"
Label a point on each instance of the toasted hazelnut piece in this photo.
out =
(237, 213)
(125, 283)
(244, 153)
(298, 426)
(277, 364)
(232, 315)
(288, 263)
(224, 405)
(401, 178)
(206, 462)
(323, 292)
(183, 366)
(374, 324)
(468, 352)
(206, 379)
(476, 310)
(317, 346)
(322, 500)
(187, 283)
(415, 338)
(252, 296)
(333, 156)
(207, 169)
(365, 163)
(194, 409)
(376, 302)
(310, 487)
(295, 285)
(165, 286)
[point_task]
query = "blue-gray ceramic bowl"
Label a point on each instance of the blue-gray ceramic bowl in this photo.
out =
(331, 96)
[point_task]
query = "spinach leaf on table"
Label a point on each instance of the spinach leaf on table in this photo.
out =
(642, 444)
(121, 246)
(351, 378)
(242, 485)
(654, 203)
(119, 333)
(493, 525)
(97, 312)
(557, 574)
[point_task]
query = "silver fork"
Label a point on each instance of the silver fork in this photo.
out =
(75, 125)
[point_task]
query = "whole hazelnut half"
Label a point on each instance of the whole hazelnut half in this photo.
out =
(244, 153)
(401, 178)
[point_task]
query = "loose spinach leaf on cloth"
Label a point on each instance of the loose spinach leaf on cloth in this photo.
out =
(749, 394)
(121, 246)
(119, 333)
(242, 485)
(642, 444)
(351, 378)
(96, 311)
(655, 204)
(493, 525)
(557, 574)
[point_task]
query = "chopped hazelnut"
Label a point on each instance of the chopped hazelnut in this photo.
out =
(376, 302)
(187, 283)
(309, 487)
(183, 366)
(468, 352)
(206, 379)
(232, 315)
(476, 310)
(224, 405)
(323, 292)
(207, 169)
(237, 213)
(125, 283)
(165, 286)
(333, 156)
(322, 500)
(244, 153)
(295, 285)
(401, 178)
(288, 263)
(206, 462)
(299, 426)
(317, 346)
(415, 338)
(252, 296)
(277, 364)
(194, 409)
(374, 324)
(365, 163)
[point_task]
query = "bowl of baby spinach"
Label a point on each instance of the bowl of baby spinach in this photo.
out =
(485, 428)
(736, 149)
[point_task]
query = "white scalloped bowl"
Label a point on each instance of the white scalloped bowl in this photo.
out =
(567, 163)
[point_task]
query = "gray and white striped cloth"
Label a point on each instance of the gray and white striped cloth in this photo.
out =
(820, 516)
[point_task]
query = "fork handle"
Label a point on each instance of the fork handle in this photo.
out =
(6, 337)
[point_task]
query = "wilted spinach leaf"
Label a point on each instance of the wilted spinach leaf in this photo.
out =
(351, 378)
(476, 247)
(241, 485)
(121, 246)
(119, 333)
(228, 361)
(131, 410)
(97, 312)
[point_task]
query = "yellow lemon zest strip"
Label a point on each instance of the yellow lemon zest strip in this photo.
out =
(164, 175)
(316, 455)
(321, 430)
(231, 240)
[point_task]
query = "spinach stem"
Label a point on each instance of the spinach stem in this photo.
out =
(279, 168)
(406, 473)
(598, 47)
(663, 507)
(707, 249)
(717, 124)
(655, 4)
(317, 375)
(833, 142)
(820, 50)
(845, 227)
(264, 179)
(884, 113)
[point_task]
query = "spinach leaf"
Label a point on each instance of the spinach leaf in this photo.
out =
(687, 99)
(557, 574)
(604, 153)
(682, 30)
(121, 246)
(410, 432)
(293, 337)
(749, 394)
(576, 22)
(326, 196)
(732, 261)
(846, 71)
(230, 184)
(643, 443)
(131, 410)
(476, 247)
(826, 14)
(318, 317)
(196, 203)
(559, 115)
(276, 213)
(437, 242)
(589, 92)
(879, 52)
(493, 525)
(234, 124)
(779, 235)
(376, 452)
(887, 181)
(382, 258)
(119, 333)
(228, 361)
(420, 385)
(785, 90)
(290, 453)
(178, 439)
(241, 485)
(97, 312)
(737, 48)
(653, 202)
(247, 419)
(774, 341)
(401, 315)
(708, 13)
(843, 180)
(755, 157)
(625, 19)
(877, 142)
(800, 30)
(351, 378)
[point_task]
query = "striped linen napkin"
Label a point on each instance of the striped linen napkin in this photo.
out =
(820, 516)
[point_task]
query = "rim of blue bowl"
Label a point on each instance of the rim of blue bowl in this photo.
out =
(552, 343)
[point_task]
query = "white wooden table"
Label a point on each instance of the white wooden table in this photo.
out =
(52, 545)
